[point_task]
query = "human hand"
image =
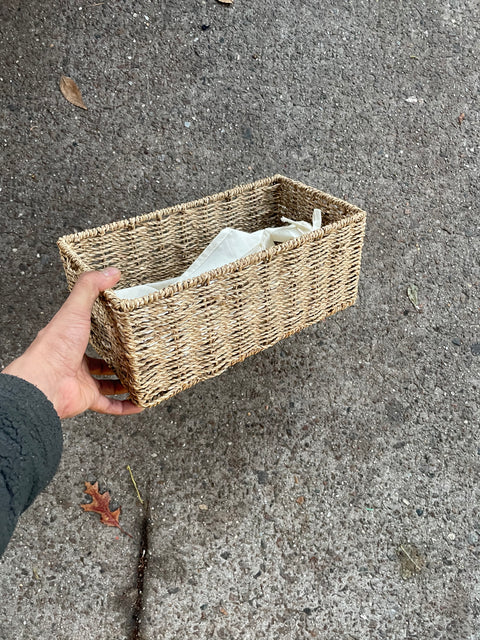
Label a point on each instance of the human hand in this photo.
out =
(56, 363)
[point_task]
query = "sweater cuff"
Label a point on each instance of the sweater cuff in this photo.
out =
(30, 441)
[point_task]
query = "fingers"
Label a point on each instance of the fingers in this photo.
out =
(87, 288)
(103, 404)
(98, 367)
(110, 387)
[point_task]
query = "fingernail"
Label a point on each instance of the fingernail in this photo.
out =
(110, 271)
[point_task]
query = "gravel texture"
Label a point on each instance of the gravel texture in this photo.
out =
(328, 487)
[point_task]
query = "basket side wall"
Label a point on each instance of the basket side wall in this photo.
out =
(199, 332)
(297, 201)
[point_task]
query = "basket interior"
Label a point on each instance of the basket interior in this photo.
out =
(164, 245)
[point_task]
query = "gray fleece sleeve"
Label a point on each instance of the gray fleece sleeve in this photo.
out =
(30, 449)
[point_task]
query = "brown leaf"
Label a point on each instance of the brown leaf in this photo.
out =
(411, 560)
(300, 500)
(461, 118)
(71, 91)
(100, 504)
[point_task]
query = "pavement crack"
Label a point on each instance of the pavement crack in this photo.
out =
(142, 565)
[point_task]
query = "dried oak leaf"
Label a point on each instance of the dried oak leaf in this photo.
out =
(101, 504)
(71, 92)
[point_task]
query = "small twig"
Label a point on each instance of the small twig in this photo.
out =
(135, 484)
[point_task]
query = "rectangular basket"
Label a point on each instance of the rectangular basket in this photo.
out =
(168, 341)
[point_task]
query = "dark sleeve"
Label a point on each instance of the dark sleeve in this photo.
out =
(30, 449)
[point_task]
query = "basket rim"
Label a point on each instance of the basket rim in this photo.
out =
(66, 243)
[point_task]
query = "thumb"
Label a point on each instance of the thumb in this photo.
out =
(87, 288)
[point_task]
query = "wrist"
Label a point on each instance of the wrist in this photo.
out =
(22, 368)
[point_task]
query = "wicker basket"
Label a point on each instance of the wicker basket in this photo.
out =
(168, 341)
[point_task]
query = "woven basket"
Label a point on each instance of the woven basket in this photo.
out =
(168, 341)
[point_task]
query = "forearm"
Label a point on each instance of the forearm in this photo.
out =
(30, 448)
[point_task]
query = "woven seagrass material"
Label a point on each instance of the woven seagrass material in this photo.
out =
(168, 341)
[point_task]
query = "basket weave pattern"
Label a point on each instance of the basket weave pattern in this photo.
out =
(168, 341)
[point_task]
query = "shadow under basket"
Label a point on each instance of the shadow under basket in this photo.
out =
(168, 341)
